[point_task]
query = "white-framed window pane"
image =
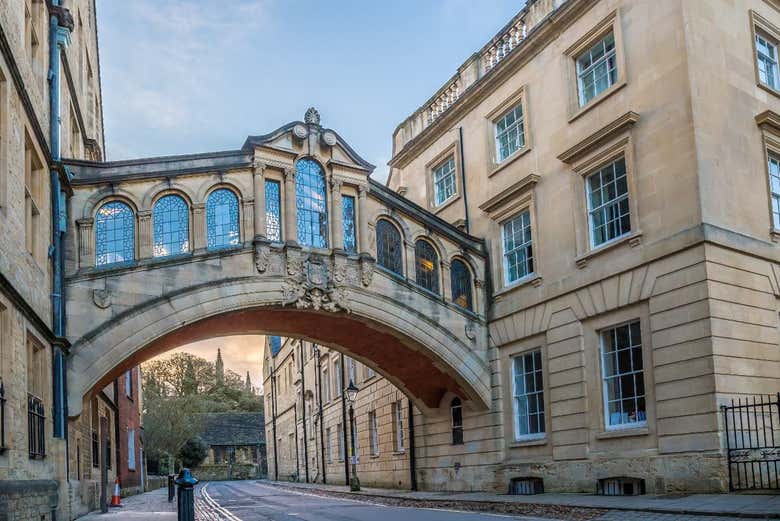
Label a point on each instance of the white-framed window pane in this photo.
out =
(131, 449)
(766, 56)
(773, 168)
(597, 69)
(623, 375)
(399, 426)
(444, 181)
(329, 444)
(528, 395)
(509, 132)
(518, 247)
(608, 207)
(373, 433)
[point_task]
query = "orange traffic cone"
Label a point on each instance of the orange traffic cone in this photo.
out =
(116, 500)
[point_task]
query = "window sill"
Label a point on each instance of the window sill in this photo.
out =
(533, 279)
(633, 240)
(530, 442)
(440, 207)
(497, 167)
(623, 432)
(774, 234)
(399, 453)
(595, 101)
(767, 88)
(374, 456)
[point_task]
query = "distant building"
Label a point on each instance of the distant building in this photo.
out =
(236, 443)
(128, 432)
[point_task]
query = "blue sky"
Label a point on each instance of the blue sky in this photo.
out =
(183, 76)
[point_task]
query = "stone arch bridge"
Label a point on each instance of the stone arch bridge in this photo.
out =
(260, 264)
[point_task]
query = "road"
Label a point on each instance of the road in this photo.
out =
(251, 501)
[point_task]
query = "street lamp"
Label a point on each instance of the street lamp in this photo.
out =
(351, 392)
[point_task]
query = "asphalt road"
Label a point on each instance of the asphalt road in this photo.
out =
(251, 501)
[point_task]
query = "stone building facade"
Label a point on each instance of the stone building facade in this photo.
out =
(48, 65)
(307, 417)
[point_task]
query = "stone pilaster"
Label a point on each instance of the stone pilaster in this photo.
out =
(86, 243)
(290, 209)
(198, 233)
(258, 180)
(336, 219)
(145, 235)
(362, 219)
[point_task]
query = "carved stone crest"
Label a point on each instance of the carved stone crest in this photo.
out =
(312, 117)
(310, 284)
(366, 271)
(101, 298)
(262, 258)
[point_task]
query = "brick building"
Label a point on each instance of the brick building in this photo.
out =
(129, 432)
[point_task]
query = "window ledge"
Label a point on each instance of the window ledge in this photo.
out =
(774, 234)
(534, 280)
(625, 432)
(497, 167)
(447, 203)
(399, 452)
(633, 240)
(538, 442)
(598, 99)
(767, 88)
(374, 456)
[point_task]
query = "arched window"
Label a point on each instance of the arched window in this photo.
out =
(114, 234)
(388, 247)
(222, 219)
(311, 204)
(171, 226)
(460, 277)
(456, 408)
(426, 266)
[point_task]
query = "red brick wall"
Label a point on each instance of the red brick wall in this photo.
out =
(129, 422)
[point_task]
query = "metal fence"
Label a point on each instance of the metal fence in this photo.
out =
(36, 427)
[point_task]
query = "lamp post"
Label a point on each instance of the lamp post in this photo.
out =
(351, 391)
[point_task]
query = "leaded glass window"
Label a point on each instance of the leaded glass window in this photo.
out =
(766, 54)
(456, 412)
(460, 277)
(171, 226)
(114, 234)
(444, 181)
(388, 247)
(528, 391)
(312, 206)
(348, 219)
(273, 213)
(597, 69)
(774, 186)
(623, 373)
(426, 262)
(518, 248)
(608, 203)
(510, 134)
(222, 219)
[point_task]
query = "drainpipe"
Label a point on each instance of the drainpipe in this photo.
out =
(273, 418)
(59, 39)
(297, 450)
(322, 417)
(463, 178)
(412, 455)
(303, 414)
(344, 422)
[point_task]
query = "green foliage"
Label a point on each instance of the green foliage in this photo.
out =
(193, 452)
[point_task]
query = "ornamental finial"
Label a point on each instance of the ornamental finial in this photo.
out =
(312, 117)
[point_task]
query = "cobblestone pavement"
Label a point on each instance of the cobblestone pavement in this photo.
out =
(627, 515)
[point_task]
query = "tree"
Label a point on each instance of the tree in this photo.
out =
(193, 452)
(168, 423)
(169, 373)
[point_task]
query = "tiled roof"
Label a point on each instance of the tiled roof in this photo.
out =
(233, 428)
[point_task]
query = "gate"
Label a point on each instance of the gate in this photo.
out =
(753, 442)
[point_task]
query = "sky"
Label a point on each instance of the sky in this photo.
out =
(181, 76)
(187, 76)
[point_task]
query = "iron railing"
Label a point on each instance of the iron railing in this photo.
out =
(36, 427)
(753, 442)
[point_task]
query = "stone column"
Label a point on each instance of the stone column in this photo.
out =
(198, 227)
(86, 243)
(337, 226)
(145, 235)
(259, 194)
(446, 286)
(290, 209)
(362, 217)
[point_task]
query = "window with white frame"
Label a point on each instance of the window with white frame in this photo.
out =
(766, 57)
(370, 373)
(608, 207)
(337, 378)
(325, 385)
(444, 181)
(509, 133)
(131, 449)
(352, 368)
(773, 167)
(340, 440)
(329, 444)
(398, 425)
(528, 395)
(518, 247)
(129, 383)
(597, 69)
(623, 375)
(373, 433)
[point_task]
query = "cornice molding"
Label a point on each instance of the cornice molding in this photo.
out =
(516, 190)
(769, 120)
(608, 131)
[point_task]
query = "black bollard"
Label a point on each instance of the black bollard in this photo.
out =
(186, 504)
(171, 489)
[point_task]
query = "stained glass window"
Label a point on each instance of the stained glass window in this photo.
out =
(460, 277)
(348, 216)
(388, 247)
(426, 262)
(222, 219)
(311, 204)
(171, 226)
(114, 234)
(273, 214)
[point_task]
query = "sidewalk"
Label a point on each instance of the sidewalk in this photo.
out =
(149, 506)
(727, 505)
